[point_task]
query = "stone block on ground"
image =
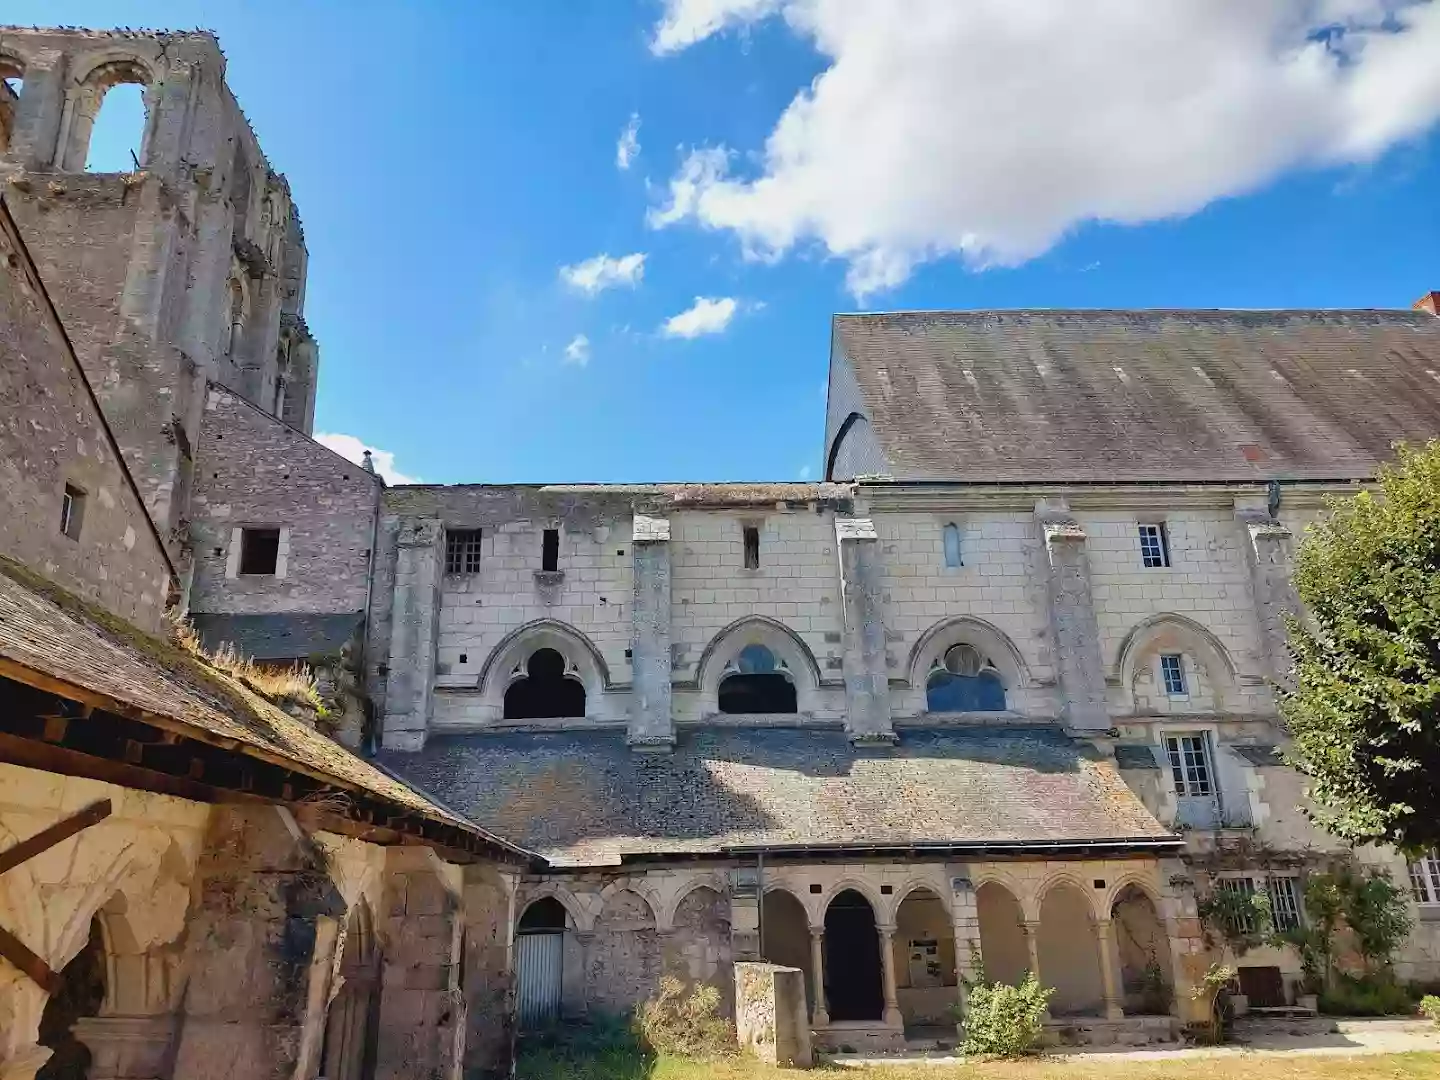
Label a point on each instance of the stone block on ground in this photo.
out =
(770, 1017)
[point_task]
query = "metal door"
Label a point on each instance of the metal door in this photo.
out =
(537, 966)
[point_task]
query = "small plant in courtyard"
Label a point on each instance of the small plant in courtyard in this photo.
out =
(1430, 1008)
(1208, 990)
(1366, 995)
(1005, 1021)
(685, 1022)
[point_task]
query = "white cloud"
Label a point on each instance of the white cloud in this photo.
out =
(578, 351)
(628, 148)
(688, 21)
(352, 449)
(988, 129)
(602, 272)
(705, 316)
(804, 472)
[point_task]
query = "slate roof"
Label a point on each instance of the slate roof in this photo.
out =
(585, 799)
(1260, 755)
(1136, 756)
(278, 637)
(45, 630)
(1071, 396)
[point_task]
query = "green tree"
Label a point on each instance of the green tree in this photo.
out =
(1365, 710)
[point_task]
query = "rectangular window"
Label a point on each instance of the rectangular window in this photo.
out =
(259, 551)
(752, 548)
(1284, 902)
(1154, 545)
(462, 551)
(550, 550)
(1190, 765)
(72, 511)
(1172, 670)
(1425, 879)
(1241, 886)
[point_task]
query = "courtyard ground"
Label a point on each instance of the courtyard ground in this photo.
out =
(629, 1063)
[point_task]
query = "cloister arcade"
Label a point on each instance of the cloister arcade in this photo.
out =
(885, 948)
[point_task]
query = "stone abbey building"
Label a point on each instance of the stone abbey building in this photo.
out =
(999, 688)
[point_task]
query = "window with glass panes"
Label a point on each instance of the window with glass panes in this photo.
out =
(462, 551)
(1240, 886)
(1425, 879)
(1172, 670)
(1189, 765)
(1284, 902)
(1154, 545)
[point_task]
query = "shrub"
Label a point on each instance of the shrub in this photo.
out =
(1430, 1006)
(1365, 996)
(1005, 1021)
(685, 1024)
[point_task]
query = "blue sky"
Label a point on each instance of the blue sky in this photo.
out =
(450, 160)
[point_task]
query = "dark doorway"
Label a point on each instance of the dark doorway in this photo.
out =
(1263, 986)
(81, 994)
(544, 692)
(852, 959)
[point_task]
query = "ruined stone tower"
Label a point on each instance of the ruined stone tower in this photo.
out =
(189, 268)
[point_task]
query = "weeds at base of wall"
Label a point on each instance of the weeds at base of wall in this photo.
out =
(601, 1047)
(685, 1022)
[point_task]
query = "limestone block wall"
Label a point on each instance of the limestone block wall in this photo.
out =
(796, 585)
(253, 470)
(997, 583)
(1207, 583)
(51, 436)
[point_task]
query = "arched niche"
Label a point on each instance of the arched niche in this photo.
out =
(1209, 676)
(974, 667)
(95, 75)
(510, 662)
(734, 652)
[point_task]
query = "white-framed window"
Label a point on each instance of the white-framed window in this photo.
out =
(1284, 893)
(1241, 886)
(462, 551)
(260, 552)
(1172, 673)
(1154, 545)
(1284, 901)
(1425, 879)
(951, 535)
(1190, 765)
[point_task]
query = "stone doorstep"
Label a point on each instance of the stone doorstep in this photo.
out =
(1098, 1031)
(867, 1035)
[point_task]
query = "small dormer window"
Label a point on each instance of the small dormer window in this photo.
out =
(550, 551)
(1154, 545)
(72, 511)
(1172, 673)
(752, 547)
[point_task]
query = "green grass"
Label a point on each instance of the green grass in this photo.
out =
(629, 1062)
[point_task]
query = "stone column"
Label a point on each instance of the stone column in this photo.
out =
(821, 1016)
(1032, 943)
(489, 986)
(867, 680)
(887, 977)
(414, 628)
(1109, 976)
(259, 951)
(1073, 627)
(1270, 556)
(745, 943)
(966, 927)
(422, 1013)
(37, 116)
(652, 725)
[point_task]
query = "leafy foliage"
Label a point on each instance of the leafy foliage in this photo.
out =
(1365, 711)
(1368, 995)
(1208, 989)
(685, 1023)
(1005, 1021)
(1244, 920)
(1430, 1007)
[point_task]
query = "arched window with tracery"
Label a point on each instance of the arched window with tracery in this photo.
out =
(757, 681)
(544, 687)
(963, 679)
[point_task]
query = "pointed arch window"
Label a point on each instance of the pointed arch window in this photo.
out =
(951, 535)
(757, 681)
(964, 680)
(546, 686)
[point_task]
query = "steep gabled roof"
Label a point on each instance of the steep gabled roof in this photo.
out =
(1137, 395)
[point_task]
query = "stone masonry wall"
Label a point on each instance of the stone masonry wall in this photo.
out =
(252, 470)
(51, 435)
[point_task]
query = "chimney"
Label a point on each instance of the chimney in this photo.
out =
(1429, 302)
